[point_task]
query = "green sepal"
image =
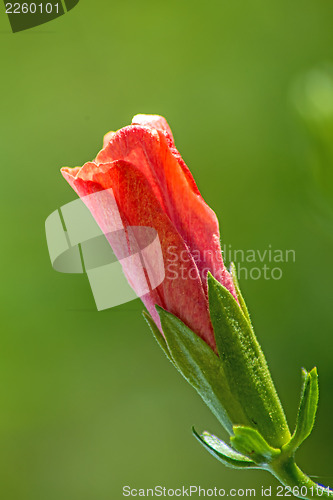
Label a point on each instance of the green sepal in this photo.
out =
(233, 272)
(158, 336)
(223, 452)
(245, 366)
(202, 368)
(307, 409)
(250, 442)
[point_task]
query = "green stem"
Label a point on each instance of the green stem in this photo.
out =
(287, 472)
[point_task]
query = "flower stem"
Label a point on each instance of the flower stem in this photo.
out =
(291, 476)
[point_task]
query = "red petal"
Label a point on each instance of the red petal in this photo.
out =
(107, 138)
(154, 154)
(156, 122)
(153, 121)
(138, 205)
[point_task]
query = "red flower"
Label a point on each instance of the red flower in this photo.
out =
(153, 187)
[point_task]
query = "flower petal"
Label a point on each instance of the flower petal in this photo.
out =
(153, 121)
(154, 154)
(181, 292)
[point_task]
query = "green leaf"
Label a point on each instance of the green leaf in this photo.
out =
(245, 366)
(158, 336)
(202, 368)
(307, 409)
(233, 272)
(250, 442)
(223, 452)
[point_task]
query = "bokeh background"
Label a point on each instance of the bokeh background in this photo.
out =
(88, 402)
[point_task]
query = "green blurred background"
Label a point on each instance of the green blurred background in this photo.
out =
(88, 402)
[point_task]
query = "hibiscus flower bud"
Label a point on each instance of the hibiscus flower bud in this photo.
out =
(154, 188)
